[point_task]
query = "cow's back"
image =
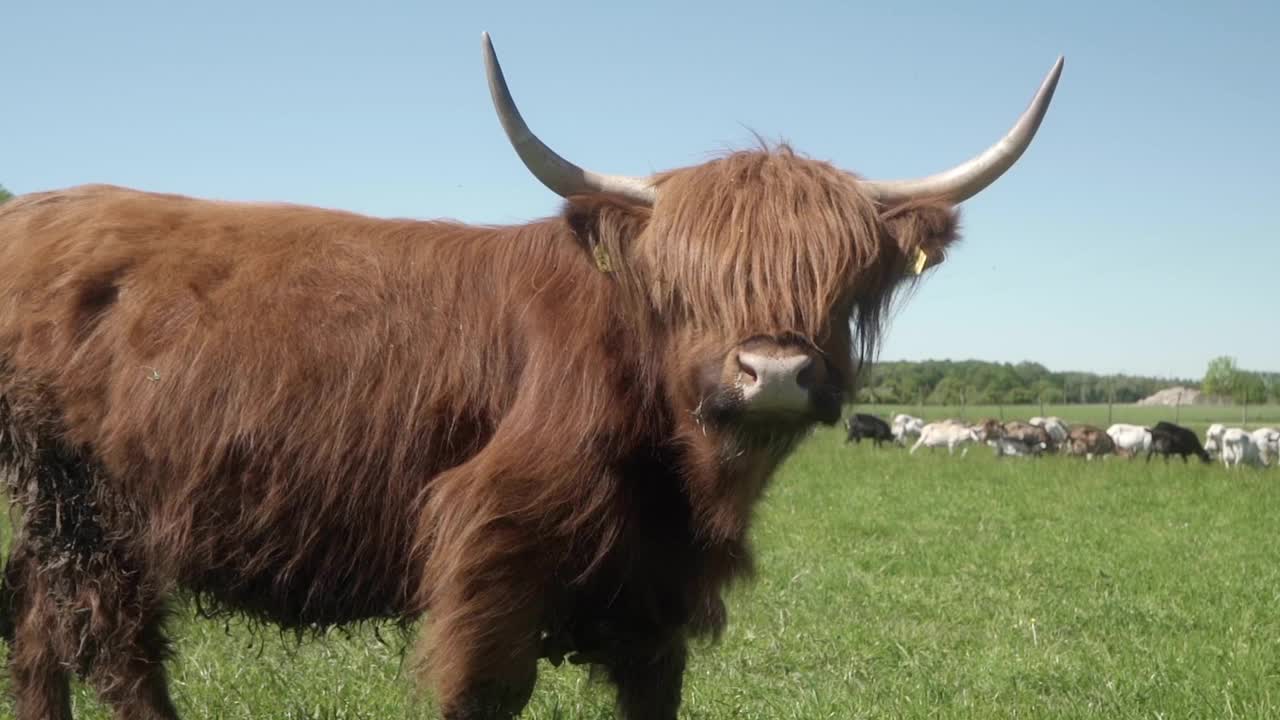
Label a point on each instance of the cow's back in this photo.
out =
(256, 383)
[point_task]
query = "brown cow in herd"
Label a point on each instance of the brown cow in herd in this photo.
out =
(545, 439)
(1089, 441)
(1036, 439)
(1015, 437)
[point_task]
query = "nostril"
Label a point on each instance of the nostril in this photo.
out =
(745, 368)
(805, 378)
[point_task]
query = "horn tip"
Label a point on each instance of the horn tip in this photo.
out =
(1056, 70)
(1050, 83)
(486, 48)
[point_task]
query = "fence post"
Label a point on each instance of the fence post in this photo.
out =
(1042, 404)
(1245, 419)
(1177, 408)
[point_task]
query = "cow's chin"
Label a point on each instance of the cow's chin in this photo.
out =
(725, 409)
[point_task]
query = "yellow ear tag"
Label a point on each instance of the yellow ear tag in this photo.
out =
(917, 264)
(603, 263)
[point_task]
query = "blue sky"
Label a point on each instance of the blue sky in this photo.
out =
(1138, 234)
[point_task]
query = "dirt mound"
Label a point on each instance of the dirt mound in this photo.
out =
(1175, 396)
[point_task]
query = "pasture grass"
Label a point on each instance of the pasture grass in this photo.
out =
(905, 587)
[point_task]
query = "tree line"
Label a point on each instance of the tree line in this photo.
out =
(1225, 379)
(977, 382)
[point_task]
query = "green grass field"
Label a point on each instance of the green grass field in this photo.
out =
(906, 587)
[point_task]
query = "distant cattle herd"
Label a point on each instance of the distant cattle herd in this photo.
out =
(1232, 446)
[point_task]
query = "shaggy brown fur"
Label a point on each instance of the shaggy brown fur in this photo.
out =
(317, 418)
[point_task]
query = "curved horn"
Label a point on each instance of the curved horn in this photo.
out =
(974, 175)
(561, 176)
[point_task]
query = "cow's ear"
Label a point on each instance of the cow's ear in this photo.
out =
(605, 226)
(923, 231)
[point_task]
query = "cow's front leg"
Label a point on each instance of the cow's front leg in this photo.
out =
(483, 652)
(485, 612)
(649, 679)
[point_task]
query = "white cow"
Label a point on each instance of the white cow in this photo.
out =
(1057, 429)
(949, 434)
(905, 426)
(1213, 438)
(1237, 447)
(1130, 439)
(1267, 440)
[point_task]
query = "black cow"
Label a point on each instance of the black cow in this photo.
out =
(1169, 439)
(867, 426)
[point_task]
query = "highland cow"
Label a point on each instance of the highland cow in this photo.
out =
(547, 439)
